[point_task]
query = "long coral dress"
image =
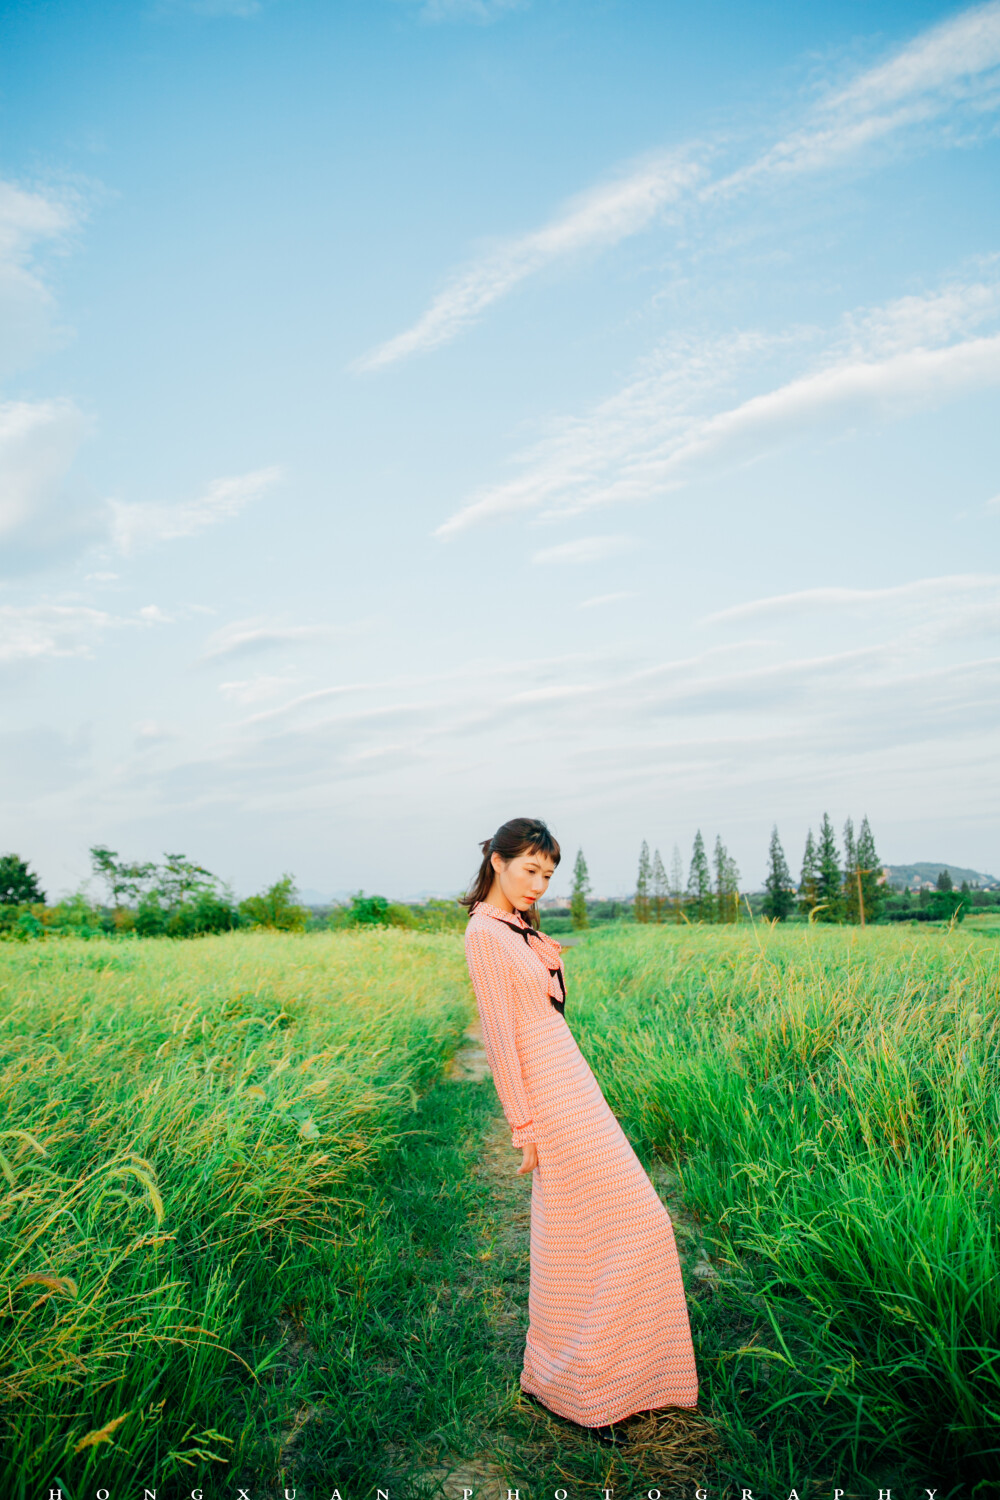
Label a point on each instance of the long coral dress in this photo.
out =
(608, 1330)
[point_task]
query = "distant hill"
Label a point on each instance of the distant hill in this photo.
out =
(900, 875)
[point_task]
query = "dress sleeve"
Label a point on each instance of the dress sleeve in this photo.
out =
(494, 995)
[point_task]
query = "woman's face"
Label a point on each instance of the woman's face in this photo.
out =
(525, 878)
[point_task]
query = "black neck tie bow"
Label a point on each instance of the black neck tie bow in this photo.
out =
(560, 1005)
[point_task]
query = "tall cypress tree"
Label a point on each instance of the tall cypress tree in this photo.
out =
(809, 879)
(851, 894)
(677, 882)
(719, 861)
(870, 866)
(779, 895)
(641, 906)
(727, 879)
(700, 881)
(659, 888)
(581, 890)
(732, 882)
(829, 881)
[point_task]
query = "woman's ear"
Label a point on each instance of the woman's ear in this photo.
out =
(496, 861)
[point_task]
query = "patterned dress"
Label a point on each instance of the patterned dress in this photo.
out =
(608, 1330)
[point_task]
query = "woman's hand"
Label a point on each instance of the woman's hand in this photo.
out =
(529, 1159)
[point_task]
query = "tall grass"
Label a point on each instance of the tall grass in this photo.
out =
(178, 1118)
(829, 1100)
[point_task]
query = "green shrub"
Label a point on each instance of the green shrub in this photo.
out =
(276, 908)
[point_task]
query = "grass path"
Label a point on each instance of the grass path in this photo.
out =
(505, 1439)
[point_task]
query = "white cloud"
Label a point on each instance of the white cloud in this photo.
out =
(951, 66)
(28, 220)
(602, 216)
(138, 525)
(713, 727)
(251, 637)
(650, 438)
(585, 549)
(652, 412)
(43, 519)
(845, 392)
(948, 60)
(238, 9)
(482, 11)
(303, 701)
(32, 632)
(925, 321)
(923, 592)
(46, 517)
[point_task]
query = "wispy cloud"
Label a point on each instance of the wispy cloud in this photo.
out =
(483, 11)
(771, 715)
(44, 518)
(257, 689)
(603, 216)
(929, 321)
(252, 637)
(238, 9)
(585, 549)
(303, 701)
(952, 68)
(944, 591)
(652, 413)
(951, 65)
(31, 632)
(138, 525)
(30, 219)
(650, 438)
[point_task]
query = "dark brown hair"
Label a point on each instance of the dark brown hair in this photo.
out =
(518, 836)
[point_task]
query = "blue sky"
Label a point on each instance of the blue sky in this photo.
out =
(418, 413)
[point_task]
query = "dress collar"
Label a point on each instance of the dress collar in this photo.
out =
(505, 916)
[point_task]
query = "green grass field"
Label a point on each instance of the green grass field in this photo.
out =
(192, 1133)
(246, 1235)
(829, 1100)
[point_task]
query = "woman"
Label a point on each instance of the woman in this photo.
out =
(608, 1327)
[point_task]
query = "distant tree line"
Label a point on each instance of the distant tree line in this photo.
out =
(838, 884)
(711, 892)
(178, 898)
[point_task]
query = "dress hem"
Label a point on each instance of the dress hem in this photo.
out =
(609, 1414)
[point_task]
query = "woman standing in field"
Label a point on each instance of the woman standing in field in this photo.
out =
(608, 1327)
